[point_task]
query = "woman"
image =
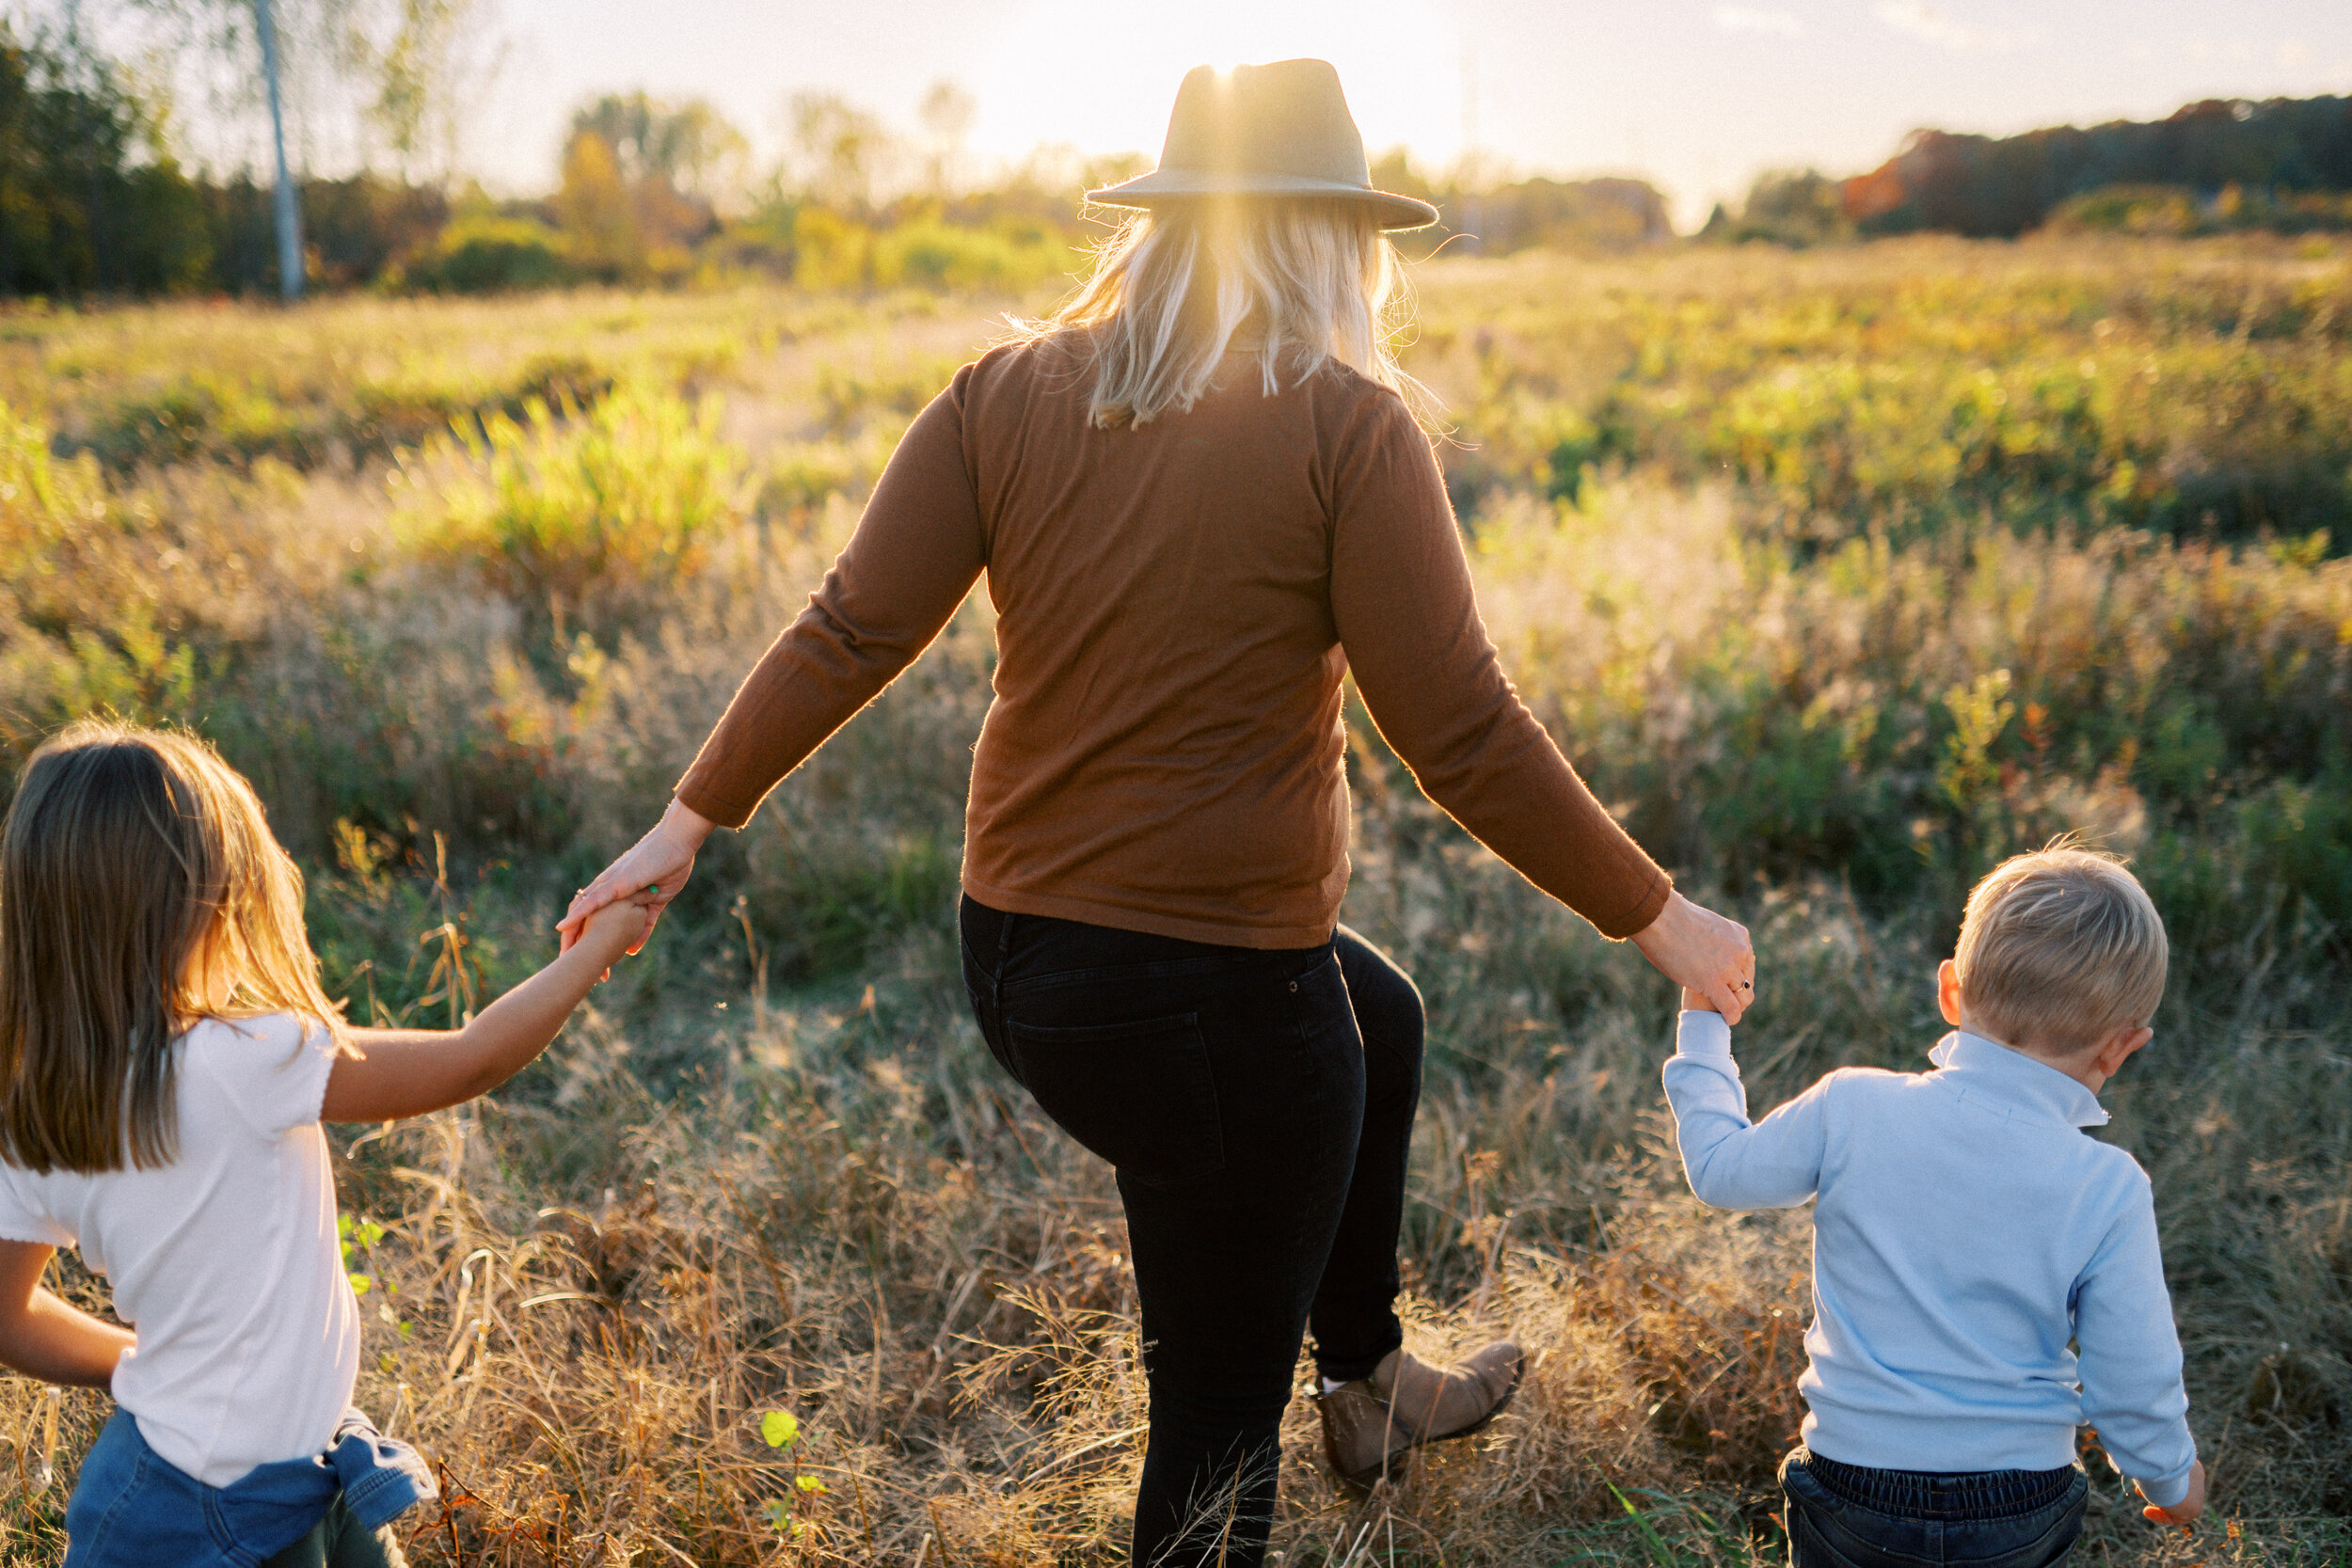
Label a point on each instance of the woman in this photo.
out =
(1199, 498)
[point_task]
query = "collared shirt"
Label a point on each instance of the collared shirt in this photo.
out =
(1965, 1232)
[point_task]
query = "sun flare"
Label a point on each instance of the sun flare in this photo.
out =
(1102, 76)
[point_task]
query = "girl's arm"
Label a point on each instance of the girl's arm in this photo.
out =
(406, 1072)
(44, 1337)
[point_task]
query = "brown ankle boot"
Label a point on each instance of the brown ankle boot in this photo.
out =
(1406, 1403)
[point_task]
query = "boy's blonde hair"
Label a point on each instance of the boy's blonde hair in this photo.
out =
(2059, 949)
(1304, 282)
(127, 853)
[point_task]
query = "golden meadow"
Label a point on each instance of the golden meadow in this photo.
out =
(1840, 573)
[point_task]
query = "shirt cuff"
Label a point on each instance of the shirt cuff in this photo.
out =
(2171, 1489)
(1703, 1035)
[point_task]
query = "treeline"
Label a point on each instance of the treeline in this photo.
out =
(647, 193)
(2282, 163)
(93, 199)
(91, 196)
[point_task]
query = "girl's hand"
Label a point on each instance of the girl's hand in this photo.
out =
(2183, 1512)
(1694, 1003)
(406, 1072)
(651, 873)
(1704, 953)
(617, 928)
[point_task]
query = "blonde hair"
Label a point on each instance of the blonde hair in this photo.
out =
(2059, 948)
(135, 869)
(1302, 281)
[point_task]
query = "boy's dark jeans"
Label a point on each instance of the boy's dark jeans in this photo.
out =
(341, 1542)
(1258, 1107)
(1853, 1516)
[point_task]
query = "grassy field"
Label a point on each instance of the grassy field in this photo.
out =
(1840, 573)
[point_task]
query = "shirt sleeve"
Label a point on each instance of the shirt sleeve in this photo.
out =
(2130, 1355)
(916, 553)
(273, 1069)
(1731, 1162)
(1408, 616)
(23, 1216)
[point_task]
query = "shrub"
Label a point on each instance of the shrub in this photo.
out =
(928, 254)
(490, 255)
(201, 413)
(587, 515)
(830, 251)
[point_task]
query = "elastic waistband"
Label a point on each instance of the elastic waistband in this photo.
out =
(1929, 1495)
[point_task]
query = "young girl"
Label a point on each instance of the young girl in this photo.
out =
(165, 1059)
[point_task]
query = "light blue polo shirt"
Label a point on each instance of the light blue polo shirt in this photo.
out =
(1965, 1232)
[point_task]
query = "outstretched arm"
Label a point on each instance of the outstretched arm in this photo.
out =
(44, 1337)
(1731, 1162)
(1403, 603)
(917, 553)
(406, 1072)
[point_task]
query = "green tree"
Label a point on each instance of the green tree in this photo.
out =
(598, 219)
(1789, 206)
(840, 151)
(426, 69)
(90, 197)
(690, 147)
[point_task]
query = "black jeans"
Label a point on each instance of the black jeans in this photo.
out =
(1258, 1107)
(1853, 1516)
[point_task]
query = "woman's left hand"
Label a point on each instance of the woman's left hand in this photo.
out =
(657, 864)
(1702, 952)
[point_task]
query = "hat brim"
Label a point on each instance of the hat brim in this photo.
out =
(1170, 186)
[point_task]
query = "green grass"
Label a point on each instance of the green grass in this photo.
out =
(1827, 621)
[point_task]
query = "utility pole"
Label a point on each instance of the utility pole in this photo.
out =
(289, 215)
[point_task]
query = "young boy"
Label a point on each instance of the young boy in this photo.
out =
(1965, 1231)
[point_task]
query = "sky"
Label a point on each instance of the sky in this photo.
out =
(1697, 95)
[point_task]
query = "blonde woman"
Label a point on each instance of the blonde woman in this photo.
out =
(1199, 498)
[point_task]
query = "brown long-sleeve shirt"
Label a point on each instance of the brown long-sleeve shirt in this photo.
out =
(1176, 605)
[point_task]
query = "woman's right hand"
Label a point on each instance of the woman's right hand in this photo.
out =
(652, 872)
(1702, 952)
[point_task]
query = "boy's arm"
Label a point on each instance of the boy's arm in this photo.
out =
(1733, 1163)
(406, 1072)
(44, 1337)
(2130, 1357)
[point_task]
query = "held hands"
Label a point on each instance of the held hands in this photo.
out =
(1709, 957)
(2183, 1512)
(651, 873)
(605, 934)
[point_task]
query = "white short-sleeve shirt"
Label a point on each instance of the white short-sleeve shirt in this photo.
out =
(226, 1260)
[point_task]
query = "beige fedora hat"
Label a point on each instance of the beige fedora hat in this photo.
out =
(1265, 130)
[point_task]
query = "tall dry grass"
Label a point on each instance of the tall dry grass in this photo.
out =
(767, 1263)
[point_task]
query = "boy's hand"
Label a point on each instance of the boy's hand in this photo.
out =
(2184, 1511)
(1694, 1003)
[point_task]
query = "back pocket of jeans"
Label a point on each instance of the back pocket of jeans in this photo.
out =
(1139, 1095)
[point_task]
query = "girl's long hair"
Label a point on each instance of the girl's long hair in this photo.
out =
(127, 854)
(1296, 283)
